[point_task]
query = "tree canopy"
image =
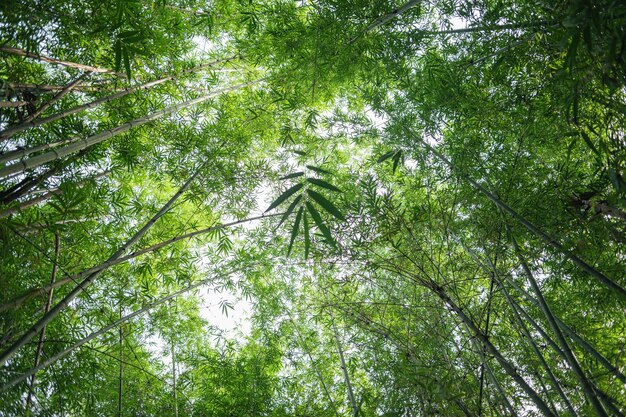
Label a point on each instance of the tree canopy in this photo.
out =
(423, 204)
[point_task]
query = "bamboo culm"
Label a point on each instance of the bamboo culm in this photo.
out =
(34, 123)
(621, 292)
(55, 154)
(98, 333)
(61, 305)
(16, 302)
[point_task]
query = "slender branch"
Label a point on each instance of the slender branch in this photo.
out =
(42, 335)
(69, 87)
(11, 104)
(386, 18)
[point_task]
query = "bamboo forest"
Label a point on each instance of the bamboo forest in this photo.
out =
(309, 208)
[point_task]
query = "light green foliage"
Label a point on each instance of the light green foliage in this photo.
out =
(423, 204)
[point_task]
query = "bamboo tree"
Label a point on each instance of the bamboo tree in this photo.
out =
(53, 358)
(10, 131)
(61, 305)
(42, 334)
(55, 154)
(612, 285)
(44, 58)
(16, 302)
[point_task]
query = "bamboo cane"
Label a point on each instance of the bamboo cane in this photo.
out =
(34, 123)
(44, 58)
(55, 154)
(61, 305)
(69, 87)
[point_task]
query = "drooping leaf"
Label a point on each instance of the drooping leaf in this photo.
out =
(323, 184)
(307, 238)
(385, 156)
(291, 191)
(118, 54)
(293, 175)
(318, 169)
(295, 230)
(320, 223)
(290, 209)
(396, 161)
(126, 61)
(301, 153)
(327, 205)
(589, 143)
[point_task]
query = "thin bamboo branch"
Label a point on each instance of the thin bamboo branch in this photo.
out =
(42, 335)
(69, 87)
(55, 154)
(11, 104)
(44, 58)
(46, 88)
(23, 126)
(386, 18)
(16, 302)
(344, 368)
(61, 305)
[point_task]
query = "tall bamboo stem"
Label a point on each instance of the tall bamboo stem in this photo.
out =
(61, 305)
(55, 154)
(34, 123)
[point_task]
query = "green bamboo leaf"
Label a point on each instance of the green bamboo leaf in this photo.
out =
(589, 143)
(295, 230)
(307, 238)
(118, 54)
(327, 205)
(126, 62)
(294, 175)
(319, 223)
(318, 169)
(290, 209)
(301, 153)
(386, 156)
(323, 184)
(285, 196)
(396, 161)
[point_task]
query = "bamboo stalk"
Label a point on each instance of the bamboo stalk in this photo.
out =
(44, 197)
(61, 305)
(100, 332)
(46, 88)
(44, 58)
(23, 126)
(621, 292)
(22, 152)
(42, 335)
(55, 154)
(69, 87)
(588, 387)
(16, 302)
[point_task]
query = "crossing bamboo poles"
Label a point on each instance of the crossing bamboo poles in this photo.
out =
(6, 134)
(18, 301)
(55, 154)
(61, 305)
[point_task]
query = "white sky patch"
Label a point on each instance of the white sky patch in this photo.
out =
(228, 312)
